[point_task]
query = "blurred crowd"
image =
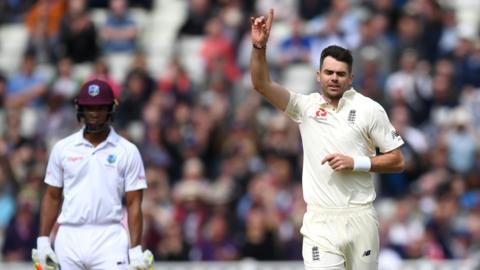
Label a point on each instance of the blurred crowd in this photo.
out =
(223, 166)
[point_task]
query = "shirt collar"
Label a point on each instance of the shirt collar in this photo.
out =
(112, 138)
(346, 95)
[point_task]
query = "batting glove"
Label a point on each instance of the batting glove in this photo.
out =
(44, 257)
(140, 260)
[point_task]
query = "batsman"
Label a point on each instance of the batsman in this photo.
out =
(89, 174)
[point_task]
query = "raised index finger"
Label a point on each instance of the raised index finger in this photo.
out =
(270, 19)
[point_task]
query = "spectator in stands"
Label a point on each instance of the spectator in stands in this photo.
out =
(78, 38)
(199, 12)
(139, 65)
(3, 92)
(22, 232)
(431, 13)
(119, 34)
(176, 82)
(287, 9)
(190, 196)
(450, 34)
(26, 87)
(42, 44)
(146, 4)
(218, 52)
(373, 43)
(470, 99)
(64, 82)
(259, 242)
(153, 150)
(172, 245)
(162, 234)
(407, 37)
(443, 98)
(232, 16)
(341, 22)
(295, 48)
(49, 12)
(217, 243)
(327, 32)
(308, 9)
(391, 10)
(439, 229)
(460, 142)
(135, 95)
(280, 137)
(405, 228)
(57, 120)
(14, 11)
(370, 79)
(473, 66)
(7, 190)
(409, 83)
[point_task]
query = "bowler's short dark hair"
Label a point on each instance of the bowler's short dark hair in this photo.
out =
(339, 53)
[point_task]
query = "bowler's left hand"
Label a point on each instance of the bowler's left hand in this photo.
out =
(339, 162)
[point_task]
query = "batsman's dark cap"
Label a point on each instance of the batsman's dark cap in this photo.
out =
(95, 92)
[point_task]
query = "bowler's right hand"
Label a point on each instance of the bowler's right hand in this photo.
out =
(261, 29)
(43, 256)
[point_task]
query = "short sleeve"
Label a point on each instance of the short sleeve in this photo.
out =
(135, 172)
(382, 132)
(296, 106)
(54, 173)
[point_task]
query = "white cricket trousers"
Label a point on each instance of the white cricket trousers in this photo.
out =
(340, 238)
(92, 247)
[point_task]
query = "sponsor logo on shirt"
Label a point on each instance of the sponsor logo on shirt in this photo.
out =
(395, 134)
(319, 115)
(74, 158)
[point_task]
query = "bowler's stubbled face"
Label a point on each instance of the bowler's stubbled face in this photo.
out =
(334, 78)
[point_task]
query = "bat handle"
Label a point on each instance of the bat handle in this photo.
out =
(38, 266)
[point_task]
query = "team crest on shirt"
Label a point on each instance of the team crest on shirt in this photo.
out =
(111, 159)
(351, 117)
(315, 254)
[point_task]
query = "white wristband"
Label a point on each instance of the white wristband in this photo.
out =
(43, 241)
(362, 163)
(135, 252)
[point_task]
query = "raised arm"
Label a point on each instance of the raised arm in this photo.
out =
(273, 92)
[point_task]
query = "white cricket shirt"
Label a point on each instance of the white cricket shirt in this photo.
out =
(355, 127)
(94, 179)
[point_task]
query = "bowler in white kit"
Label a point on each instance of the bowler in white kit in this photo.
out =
(88, 175)
(341, 130)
